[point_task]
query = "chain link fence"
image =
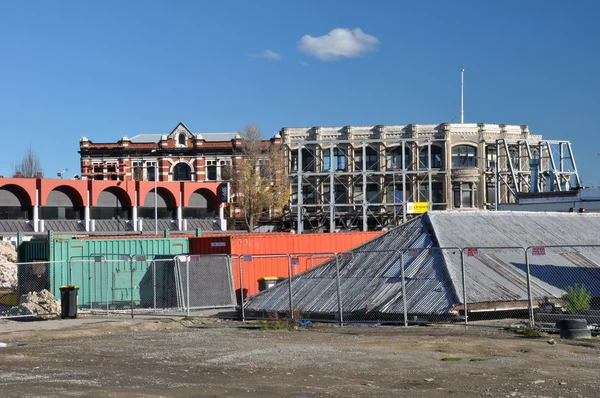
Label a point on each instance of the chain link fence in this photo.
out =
(491, 286)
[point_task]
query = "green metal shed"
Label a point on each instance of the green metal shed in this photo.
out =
(108, 270)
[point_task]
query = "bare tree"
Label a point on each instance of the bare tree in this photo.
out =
(29, 166)
(259, 181)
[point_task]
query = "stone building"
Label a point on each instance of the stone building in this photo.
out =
(380, 173)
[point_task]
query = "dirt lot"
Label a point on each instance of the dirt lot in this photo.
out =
(165, 357)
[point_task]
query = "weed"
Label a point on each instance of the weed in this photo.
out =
(448, 359)
(478, 359)
(276, 325)
(188, 318)
(577, 299)
(527, 332)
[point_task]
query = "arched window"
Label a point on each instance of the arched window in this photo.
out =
(464, 156)
(182, 139)
(182, 172)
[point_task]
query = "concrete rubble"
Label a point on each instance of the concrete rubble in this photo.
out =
(40, 304)
(8, 266)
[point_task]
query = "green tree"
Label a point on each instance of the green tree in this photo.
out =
(259, 180)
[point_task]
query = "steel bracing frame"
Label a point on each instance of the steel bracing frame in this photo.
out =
(363, 172)
(516, 163)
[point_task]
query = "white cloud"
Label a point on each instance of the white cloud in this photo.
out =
(339, 43)
(268, 54)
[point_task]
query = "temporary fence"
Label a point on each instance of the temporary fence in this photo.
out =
(497, 286)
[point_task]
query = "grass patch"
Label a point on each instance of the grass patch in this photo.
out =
(188, 318)
(478, 359)
(277, 325)
(527, 332)
(450, 359)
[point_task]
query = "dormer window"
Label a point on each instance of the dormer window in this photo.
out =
(182, 140)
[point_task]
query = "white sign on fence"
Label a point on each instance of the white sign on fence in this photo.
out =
(247, 257)
(472, 251)
(295, 261)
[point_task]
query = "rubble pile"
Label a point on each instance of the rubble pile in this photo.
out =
(41, 304)
(8, 266)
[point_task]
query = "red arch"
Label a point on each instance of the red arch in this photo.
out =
(188, 188)
(77, 190)
(125, 189)
(20, 193)
(144, 187)
(169, 198)
(26, 186)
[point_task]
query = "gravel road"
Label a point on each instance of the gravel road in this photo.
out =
(211, 357)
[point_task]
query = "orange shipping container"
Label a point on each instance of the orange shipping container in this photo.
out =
(264, 248)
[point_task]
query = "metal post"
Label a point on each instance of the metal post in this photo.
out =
(331, 191)
(70, 271)
(290, 286)
(131, 283)
(403, 183)
(529, 295)
(339, 290)
(364, 186)
(462, 96)
(154, 283)
(91, 285)
(155, 198)
(299, 194)
(240, 262)
(107, 275)
(187, 282)
(403, 289)
(464, 279)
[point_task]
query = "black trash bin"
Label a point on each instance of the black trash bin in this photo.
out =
(266, 282)
(68, 301)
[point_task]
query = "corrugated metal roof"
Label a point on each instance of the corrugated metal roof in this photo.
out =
(371, 279)
(63, 226)
(204, 225)
(112, 226)
(14, 226)
(209, 137)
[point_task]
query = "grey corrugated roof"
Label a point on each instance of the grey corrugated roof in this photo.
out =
(112, 226)
(146, 138)
(14, 226)
(204, 225)
(63, 226)
(209, 137)
(371, 279)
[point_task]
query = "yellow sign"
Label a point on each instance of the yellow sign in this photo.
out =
(417, 207)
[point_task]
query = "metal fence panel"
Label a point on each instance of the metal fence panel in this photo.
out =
(205, 281)
(496, 285)
(565, 283)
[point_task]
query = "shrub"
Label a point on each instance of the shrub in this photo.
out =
(577, 299)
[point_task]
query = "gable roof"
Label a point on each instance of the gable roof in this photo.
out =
(370, 279)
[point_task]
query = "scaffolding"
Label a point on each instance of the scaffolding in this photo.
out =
(531, 167)
(363, 184)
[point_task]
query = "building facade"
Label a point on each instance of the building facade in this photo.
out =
(178, 156)
(370, 177)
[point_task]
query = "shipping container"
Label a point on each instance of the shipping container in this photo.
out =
(315, 249)
(103, 268)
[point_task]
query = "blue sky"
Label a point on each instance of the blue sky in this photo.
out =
(113, 68)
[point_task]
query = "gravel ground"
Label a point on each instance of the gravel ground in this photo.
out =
(211, 357)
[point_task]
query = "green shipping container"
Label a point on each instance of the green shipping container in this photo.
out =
(103, 268)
